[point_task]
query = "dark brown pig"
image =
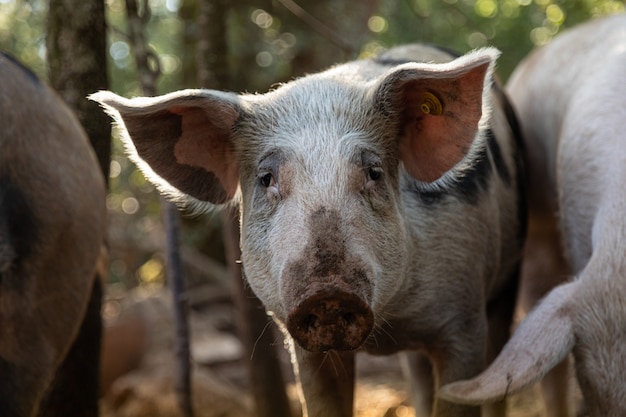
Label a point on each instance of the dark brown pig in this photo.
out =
(52, 225)
(380, 208)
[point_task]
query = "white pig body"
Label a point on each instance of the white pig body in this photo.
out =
(380, 207)
(571, 99)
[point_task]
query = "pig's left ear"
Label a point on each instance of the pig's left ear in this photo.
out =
(181, 141)
(439, 107)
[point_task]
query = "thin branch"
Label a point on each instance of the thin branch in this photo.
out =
(148, 76)
(146, 13)
(171, 220)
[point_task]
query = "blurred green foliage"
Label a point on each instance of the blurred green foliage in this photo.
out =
(268, 33)
(267, 44)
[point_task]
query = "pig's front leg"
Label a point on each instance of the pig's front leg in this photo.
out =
(465, 360)
(419, 372)
(327, 382)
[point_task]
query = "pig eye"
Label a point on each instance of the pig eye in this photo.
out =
(374, 173)
(372, 165)
(267, 180)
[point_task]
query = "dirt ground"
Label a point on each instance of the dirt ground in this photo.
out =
(138, 365)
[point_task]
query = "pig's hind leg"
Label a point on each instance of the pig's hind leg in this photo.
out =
(75, 388)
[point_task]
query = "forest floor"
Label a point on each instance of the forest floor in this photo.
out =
(138, 366)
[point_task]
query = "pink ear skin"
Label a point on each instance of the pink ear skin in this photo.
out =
(184, 138)
(203, 144)
(440, 116)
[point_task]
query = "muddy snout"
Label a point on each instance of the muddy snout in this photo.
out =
(331, 320)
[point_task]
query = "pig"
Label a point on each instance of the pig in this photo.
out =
(52, 226)
(571, 99)
(381, 208)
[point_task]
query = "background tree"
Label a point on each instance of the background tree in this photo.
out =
(77, 61)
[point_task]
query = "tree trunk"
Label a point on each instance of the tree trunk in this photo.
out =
(264, 374)
(188, 14)
(76, 54)
(212, 48)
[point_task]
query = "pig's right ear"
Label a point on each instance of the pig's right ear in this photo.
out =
(181, 141)
(438, 108)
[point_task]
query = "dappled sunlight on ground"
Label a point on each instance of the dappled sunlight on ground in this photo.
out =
(146, 387)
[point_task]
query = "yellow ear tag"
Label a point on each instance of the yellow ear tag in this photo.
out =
(431, 104)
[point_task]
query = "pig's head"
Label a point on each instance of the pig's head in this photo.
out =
(321, 163)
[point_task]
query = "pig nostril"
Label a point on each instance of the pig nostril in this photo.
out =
(310, 321)
(349, 318)
(330, 320)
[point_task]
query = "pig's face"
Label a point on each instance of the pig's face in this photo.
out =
(323, 164)
(323, 239)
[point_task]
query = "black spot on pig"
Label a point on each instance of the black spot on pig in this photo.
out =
(520, 167)
(496, 154)
(18, 232)
(472, 182)
(467, 186)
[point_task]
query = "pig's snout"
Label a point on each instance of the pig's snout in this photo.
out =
(331, 320)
